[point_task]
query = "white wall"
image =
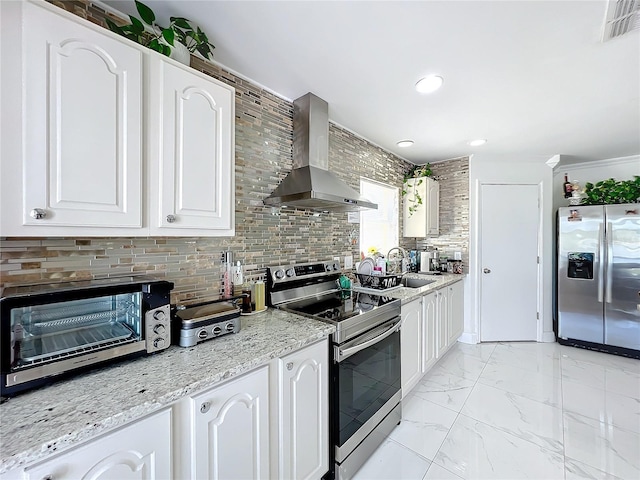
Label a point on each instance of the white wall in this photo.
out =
(619, 168)
(508, 170)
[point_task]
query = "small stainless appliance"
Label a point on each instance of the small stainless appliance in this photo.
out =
(365, 369)
(598, 282)
(204, 321)
(50, 330)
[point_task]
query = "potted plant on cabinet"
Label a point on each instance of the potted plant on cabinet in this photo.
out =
(610, 191)
(178, 40)
(409, 189)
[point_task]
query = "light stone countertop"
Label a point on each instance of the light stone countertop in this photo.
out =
(35, 425)
(409, 294)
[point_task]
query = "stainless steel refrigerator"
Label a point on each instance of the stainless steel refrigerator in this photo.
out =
(599, 277)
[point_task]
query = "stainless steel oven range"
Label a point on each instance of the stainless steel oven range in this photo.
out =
(365, 367)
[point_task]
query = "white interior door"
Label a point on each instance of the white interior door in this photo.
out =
(509, 233)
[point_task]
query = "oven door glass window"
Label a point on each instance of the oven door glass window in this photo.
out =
(43, 333)
(365, 381)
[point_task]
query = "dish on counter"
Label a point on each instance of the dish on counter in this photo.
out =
(366, 266)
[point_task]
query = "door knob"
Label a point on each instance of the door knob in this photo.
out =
(487, 270)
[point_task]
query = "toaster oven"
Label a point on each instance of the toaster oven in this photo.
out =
(54, 330)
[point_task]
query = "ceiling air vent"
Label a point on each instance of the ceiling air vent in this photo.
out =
(623, 16)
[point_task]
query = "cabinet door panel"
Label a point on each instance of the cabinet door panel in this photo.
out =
(231, 429)
(195, 183)
(140, 451)
(83, 124)
(456, 312)
(411, 346)
(305, 397)
(429, 322)
(423, 195)
(443, 334)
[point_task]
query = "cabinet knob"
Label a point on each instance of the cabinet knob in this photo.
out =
(487, 270)
(171, 218)
(47, 477)
(204, 408)
(290, 366)
(38, 213)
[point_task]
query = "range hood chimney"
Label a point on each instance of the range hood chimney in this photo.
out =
(310, 185)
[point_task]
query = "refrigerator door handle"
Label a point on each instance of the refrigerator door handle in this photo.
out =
(609, 237)
(601, 256)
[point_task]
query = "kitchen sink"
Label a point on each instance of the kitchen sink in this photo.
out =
(411, 282)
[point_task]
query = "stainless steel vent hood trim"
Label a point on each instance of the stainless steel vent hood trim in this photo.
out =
(310, 185)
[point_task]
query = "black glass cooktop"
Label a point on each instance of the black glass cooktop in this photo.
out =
(339, 306)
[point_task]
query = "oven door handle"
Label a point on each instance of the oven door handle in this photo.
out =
(379, 333)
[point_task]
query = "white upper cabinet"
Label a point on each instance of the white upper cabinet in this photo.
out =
(190, 152)
(75, 153)
(107, 137)
(423, 197)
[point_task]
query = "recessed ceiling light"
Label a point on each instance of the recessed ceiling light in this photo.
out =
(405, 143)
(478, 142)
(429, 84)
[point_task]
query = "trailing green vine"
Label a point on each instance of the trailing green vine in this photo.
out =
(410, 190)
(610, 191)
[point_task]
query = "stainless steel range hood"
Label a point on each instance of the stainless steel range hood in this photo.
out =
(310, 185)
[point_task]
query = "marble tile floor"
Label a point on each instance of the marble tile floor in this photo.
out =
(517, 411)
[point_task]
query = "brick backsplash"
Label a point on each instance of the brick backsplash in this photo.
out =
(264, 236)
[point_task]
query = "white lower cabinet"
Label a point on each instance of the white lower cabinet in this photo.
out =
(455, 312)
(141, 450)
(430, 326)
(442, 335)
(430, 319)
(272, 422)
(230, 429)
(304, 413)
(411, 345)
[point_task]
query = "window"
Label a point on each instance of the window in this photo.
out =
(379, 228)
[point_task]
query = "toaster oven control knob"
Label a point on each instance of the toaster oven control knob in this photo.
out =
(159, 315)
(291, 272)
(280, 273)
(159, 343)
(159, 329)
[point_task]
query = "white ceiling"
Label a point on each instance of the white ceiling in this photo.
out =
(532, 77)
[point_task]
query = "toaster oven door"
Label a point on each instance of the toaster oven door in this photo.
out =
(52, 338)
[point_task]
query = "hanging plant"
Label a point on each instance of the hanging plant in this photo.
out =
(610, 191)
(163, 39)
(410, 190)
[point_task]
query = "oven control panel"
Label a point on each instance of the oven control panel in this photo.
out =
(287, 273)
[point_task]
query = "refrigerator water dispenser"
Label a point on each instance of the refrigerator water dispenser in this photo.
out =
(580, 266)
